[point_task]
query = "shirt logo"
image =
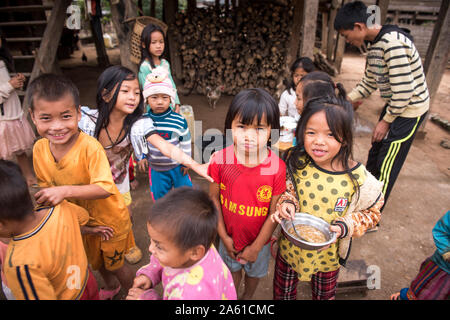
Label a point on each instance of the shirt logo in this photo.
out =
(264, 193)
(222, 186)
(341, 204)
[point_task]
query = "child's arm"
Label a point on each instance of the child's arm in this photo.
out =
(287, 204)
(355, 224)
(441, 236)
(146, 277)
(214, 193)
(250, 252)
(55, 195)
(283, 104)
(7, 87)
(171, 151)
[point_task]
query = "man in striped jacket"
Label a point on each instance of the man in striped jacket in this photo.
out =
(394, 67)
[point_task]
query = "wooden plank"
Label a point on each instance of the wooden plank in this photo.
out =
(22, 23)
(296, 30)
(384, 5)
(331, 32)
(340, 48)
(24, 57)
(24, 39)
(310, 9)
(437, 55)
(171, 9)
(324, 39)
(50, 41)
(26, 8)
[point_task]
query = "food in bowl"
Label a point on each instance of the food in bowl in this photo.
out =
(308, 233)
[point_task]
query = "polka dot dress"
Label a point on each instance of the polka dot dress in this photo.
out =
(325, 195)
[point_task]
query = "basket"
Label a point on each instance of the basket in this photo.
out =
(135, 41)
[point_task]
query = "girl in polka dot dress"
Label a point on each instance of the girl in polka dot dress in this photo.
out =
(182, 227)
(323, 180)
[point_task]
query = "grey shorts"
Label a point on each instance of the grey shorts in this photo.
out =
(257, 269)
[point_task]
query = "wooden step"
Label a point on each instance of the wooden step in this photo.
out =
(23, 23)
(26, 74)
(26, 8)
(24, 39)
(24, 57)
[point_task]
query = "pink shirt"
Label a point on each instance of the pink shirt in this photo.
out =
(208, 279)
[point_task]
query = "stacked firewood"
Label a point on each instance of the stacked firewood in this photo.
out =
(237, 49)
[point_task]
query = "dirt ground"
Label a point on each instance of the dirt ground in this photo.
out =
(420, 196)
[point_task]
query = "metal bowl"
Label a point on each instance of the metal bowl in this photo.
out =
(310, 220)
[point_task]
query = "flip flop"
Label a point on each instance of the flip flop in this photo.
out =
(108, 294)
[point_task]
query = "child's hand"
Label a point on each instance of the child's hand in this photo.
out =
(142, 282)
(51, 196)
(143, 164)
(229, 246)
(104, 232)
(338, 234)
(134, 294)
(202, 170)
(395, 296)
(249, 254)
(287, 211)
(184, 170)
(17, 81)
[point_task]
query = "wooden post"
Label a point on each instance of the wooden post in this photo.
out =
(323, 46)
(294, 43)
(437, 55)
(171, 9)
(124, 9)
(50, 42)
(97, 35)
(153, 8)
(340, 48)
(331, 32)
(384, 6)
(310, 9)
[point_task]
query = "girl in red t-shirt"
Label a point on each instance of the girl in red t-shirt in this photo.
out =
(248, 180)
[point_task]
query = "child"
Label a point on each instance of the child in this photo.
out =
(71, 165)
(393, 66)
(119, 106)
(323, 180)
(16, 134)
(248, 180)
(299, 68)
(316, 77)
(433, 280)
(164, 172)
(45, 259)
(182, 227)
(153, 45)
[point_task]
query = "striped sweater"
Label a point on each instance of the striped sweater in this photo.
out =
(394, 66)
(172, 127)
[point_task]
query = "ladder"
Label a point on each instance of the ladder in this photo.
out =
(22, 27)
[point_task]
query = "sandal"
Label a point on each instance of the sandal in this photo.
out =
(108, 294)
(134, 255)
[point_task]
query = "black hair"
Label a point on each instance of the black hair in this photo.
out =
(253, 103)
(349, 14)
(306, 64)
(5, 55)
(188, 217)
(52, 87)
(316, 77)
(146, 38)
(108, 88)
(339, 115)
(14, 195)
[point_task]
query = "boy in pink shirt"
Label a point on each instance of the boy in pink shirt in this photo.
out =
(182, 227)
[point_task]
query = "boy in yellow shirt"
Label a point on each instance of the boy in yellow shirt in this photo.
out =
(45, 258)
(72, 165)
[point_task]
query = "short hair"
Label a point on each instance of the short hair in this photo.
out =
(52, 87)
(188, 216)
(253, 103)
(15, 198)
(349, 14)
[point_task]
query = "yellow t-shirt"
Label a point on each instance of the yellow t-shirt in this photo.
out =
(49, 262)
(85, 163)
(325, 195)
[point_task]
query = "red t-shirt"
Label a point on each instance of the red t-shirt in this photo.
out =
(245, 193)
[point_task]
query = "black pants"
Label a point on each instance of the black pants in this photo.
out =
(387, 156)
